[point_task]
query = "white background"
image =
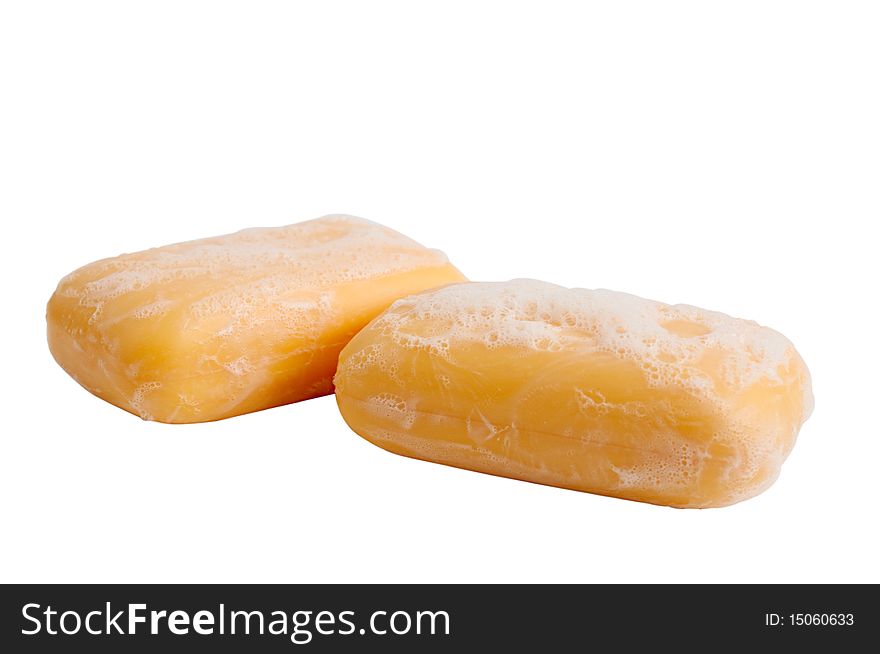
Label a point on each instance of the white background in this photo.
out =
(716, 153)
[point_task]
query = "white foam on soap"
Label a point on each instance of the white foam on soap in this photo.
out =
(707, 355)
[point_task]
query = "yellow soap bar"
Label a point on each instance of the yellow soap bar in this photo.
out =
(595, 391)
(223, 326)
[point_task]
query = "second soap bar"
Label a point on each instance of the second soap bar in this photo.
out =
(222, 326)
(591, 390)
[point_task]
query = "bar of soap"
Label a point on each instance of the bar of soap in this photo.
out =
(222, 326)
(595, 391)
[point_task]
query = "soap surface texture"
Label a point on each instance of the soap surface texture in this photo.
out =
(222, 326)
(590, 390)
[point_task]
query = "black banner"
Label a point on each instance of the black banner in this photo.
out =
(324, 618)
